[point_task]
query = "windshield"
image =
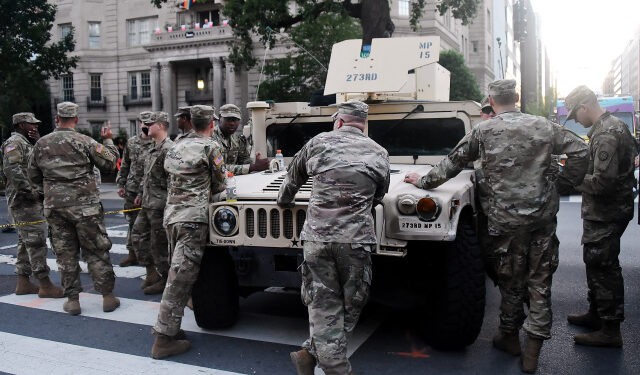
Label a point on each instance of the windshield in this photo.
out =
(434, 136)
(582, 131)
(289, 138)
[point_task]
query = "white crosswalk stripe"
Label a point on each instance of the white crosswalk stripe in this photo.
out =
(130, 272)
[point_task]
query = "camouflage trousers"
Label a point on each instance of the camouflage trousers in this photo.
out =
(187, 242)
(32, 245)
(525, 261)
(150, 240)
(131, 219)
(75, 228)
(601, 247)
(335, 287)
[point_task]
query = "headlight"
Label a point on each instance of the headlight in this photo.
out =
(427, 209)
(407, 204)
(225, 221)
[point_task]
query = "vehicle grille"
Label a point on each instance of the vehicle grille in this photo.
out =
(274, 223)
(277, 182)
(300, 218)
(249, 221)
(262, 223)
(287, 218)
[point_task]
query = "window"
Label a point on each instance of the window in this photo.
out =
(489, 56)
(212, 16)
(474, 45)
(403, 8)
(139, 30)
(96, 126)
(139, 85)
(96, 87)
(133, 128)
(94, 34)
(65, 29)
(488, 20)
(447, 19)
(67, 88)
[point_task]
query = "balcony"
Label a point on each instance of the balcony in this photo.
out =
(102, 103)
(198, 97)
(128, 102)
(178, 39)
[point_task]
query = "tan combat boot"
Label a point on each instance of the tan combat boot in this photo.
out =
(304, 362)
(165, 346)
(152, 277)
(157, 287)
(508, 342)
(109, 302)
(589, 319)
(130, 260)
(529, 359)
(25, 286)
(181, 335)
(48, 290)
(72, 305)
(608, 336)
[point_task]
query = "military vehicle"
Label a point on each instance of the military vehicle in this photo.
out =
(427, 262)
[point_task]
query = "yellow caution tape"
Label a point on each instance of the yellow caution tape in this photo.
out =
(42, 221)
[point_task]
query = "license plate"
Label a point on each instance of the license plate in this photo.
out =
(415, 225)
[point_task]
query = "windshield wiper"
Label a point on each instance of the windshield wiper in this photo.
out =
(418, 108)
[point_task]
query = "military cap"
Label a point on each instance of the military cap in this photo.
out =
(502, 87)
(161, 117)
(353, 108)
(230, 110)
(579, 95)
(67, 110)
(182, 111)
(203, 112)
(27, 117)
(485, 103)
(144, 116)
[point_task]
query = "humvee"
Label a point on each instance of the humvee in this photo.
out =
(427, 262)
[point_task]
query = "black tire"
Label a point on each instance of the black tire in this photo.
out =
(215, 293)
(454, 309)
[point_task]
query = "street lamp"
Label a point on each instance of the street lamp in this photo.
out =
(200, 84)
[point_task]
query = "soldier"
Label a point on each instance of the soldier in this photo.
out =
(350, 176)
(25, 202)
(196, 171)
(184, 122)
(607, 208)
(129, 178)
(234, 146)
(515, 151)
(152, 196)
(62, 165)
(486, 110)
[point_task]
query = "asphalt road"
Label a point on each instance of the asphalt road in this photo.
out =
(36, 337)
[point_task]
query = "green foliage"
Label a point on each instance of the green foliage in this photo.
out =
(463, 83)
(94, 133)
(464, 10)
(294, 78)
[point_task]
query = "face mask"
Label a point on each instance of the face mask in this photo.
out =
(145, 130)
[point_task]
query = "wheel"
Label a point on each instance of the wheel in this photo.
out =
(454, 309)
(215, 293)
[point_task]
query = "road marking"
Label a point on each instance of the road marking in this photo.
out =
(28, 355)
(9, 246)
(118, 226)
(116, 233)
(130, 272)
(250, 326)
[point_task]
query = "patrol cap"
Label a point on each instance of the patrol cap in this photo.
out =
(67, 110)
(27, 117)
(183, 111)
(485, 103)
(502, 87)
(353, 108)
(204, 112)
(230, 110)
(144, 116)
(161, 117)
(579, 95)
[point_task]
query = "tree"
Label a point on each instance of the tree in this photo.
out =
(249, 17)
(28, 57)
(463, 83)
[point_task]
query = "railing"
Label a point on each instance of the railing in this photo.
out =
(190, 36)
(128, 102)
(198, 97)
(102, 103)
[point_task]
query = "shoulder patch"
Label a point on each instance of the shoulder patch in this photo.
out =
(10, 148)
(603, 155)
(218, 160)
(99, 148)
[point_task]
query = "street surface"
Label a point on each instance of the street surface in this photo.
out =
(37, 337)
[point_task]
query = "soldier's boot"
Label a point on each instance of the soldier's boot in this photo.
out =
(181, 335)
(607, 336)
(25, 286)
(304, 362)
(109, 302)
(130, 260)
(529, 359)
(48, 290)
(589, 319)
(152, 277)
(165, 346)
(157, 287)
(72, 305)
(508, 342)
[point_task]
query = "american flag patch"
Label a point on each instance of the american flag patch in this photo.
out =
(10, 148)
(218, 160)
(99, 148)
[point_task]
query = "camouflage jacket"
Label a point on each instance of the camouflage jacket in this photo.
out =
(235, 151)
(15, 154)
(63, 161)
(607, 189)
(180, 137)
(350, 175)
(132, 166)
(515, 152)
(153, 189)
(196, 170)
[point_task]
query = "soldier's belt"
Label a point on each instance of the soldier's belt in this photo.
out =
(42, 221)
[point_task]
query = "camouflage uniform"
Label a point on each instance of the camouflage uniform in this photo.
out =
(131, 173)
(182, 111)
(515, 153)
(235, 148)
(350, 175)
(196, 171)
(25, 202)
(62, 165)
(148, 227)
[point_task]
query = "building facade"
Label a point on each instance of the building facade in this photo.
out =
(482, 53)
